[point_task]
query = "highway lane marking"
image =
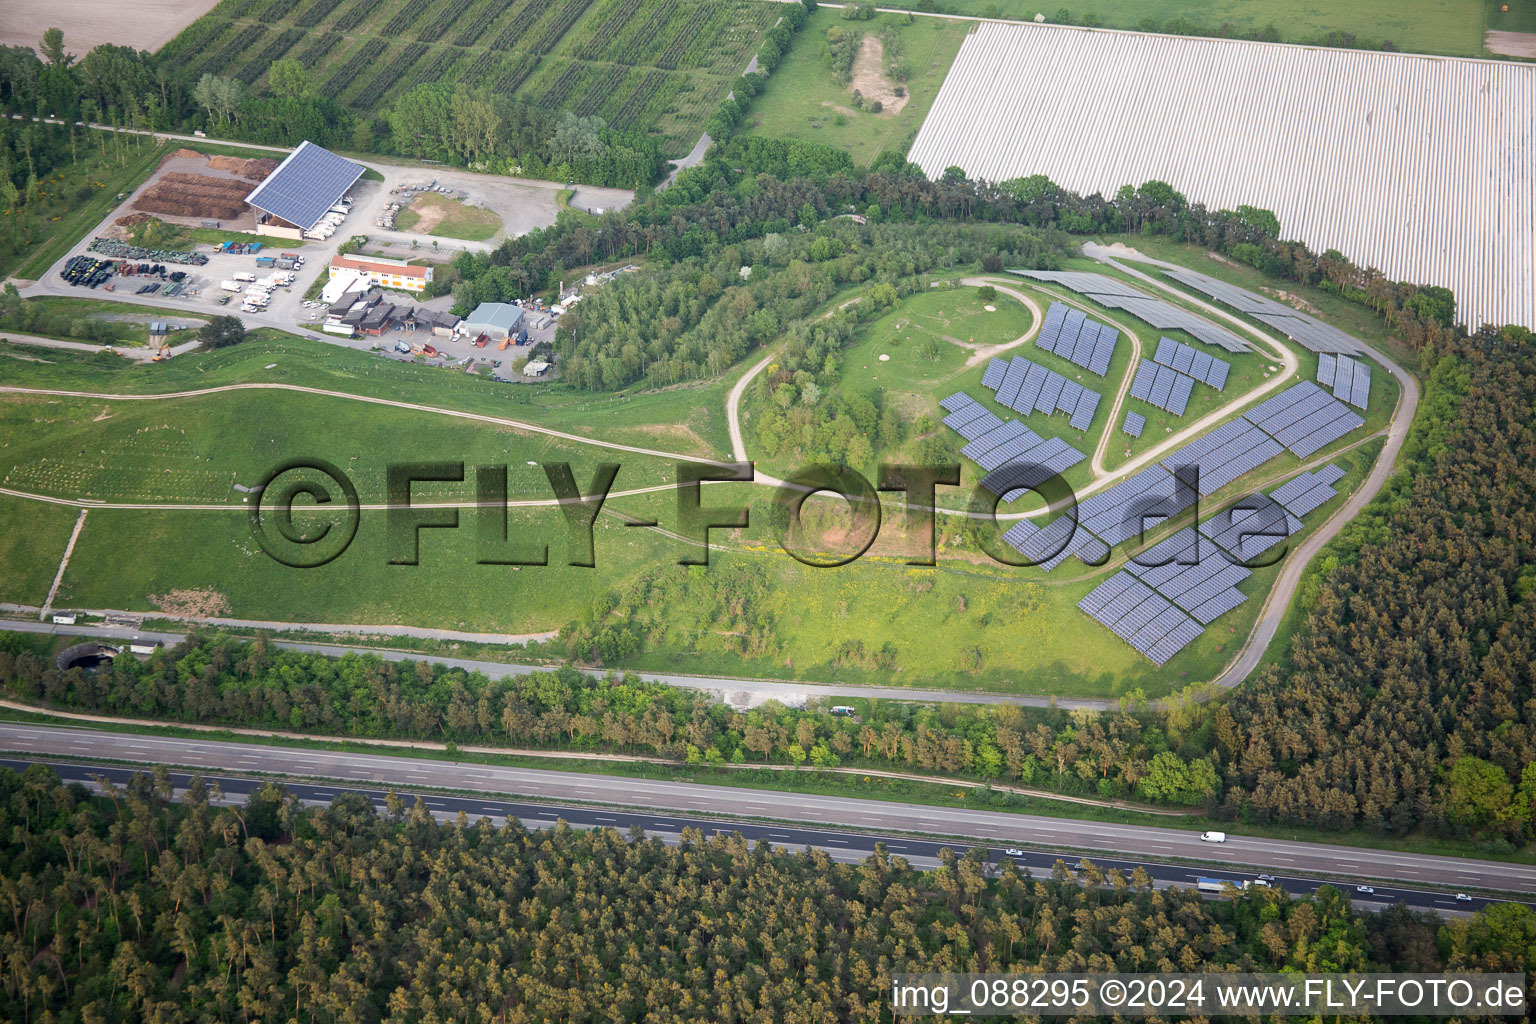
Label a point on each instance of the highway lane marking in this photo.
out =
(600, 818)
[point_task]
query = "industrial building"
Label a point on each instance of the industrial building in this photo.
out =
(496, 320)
(1422, 167)
(303, 190)
(384, 272)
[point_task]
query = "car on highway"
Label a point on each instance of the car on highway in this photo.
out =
(1366, 889)
(1213, 837)
(1270, 879)
(1463, 897)
(1261, 883)
(1013, 851)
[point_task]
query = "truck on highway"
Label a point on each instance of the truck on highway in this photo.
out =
(1217, 886)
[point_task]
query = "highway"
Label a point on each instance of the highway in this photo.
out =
(1429, 882)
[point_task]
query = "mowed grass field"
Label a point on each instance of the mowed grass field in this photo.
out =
(689, 421)
(199, 450)
(656, 65)
(804, 101)
(32, 539)
(1424, 26)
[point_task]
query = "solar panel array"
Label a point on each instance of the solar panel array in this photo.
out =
(1305, 330)
(1165, 596)
(1134, 424)
(1162, 386)
(1113, 293)
(1226, 453)
(1050, 545)
(1349, 378)
(1121, 512)
(1027, 387)
(308, 182)
(1309, 491)
(1250, 527)
(1015, 457)
(1140, 616)
(1070, 334)
(1202, 366)
(1304, 418)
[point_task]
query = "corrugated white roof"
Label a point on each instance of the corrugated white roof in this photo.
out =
(1421, 167)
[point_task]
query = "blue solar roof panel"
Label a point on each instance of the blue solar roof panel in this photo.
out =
(1183, 356)
(1135, 423)
(1162, 385)
(1180, 637)
(1329, 474)
(1049, 391)
(1178, 397)
(1217, 377)
(1326, 364)
(1012, 379)
(997, 369)
(1082, 416)
(1050, 329)
(1071, 391)
(958, 400)
(305, 185)
(1141, 384)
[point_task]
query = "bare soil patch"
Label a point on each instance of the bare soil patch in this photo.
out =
(204, 603)
(869, 77)
(1511, 44)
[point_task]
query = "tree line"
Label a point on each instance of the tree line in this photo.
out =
(129, 907)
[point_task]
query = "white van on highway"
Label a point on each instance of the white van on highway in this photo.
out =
(1213, 837)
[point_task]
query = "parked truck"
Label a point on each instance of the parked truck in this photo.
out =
(231, 286)
(265, 262)
(244, 275)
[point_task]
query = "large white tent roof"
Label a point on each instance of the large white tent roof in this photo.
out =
(1421, 167)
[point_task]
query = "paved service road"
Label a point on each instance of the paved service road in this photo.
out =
(1244, 855)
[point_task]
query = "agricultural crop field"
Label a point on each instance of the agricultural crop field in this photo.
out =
(653, 64)
(1422, 26)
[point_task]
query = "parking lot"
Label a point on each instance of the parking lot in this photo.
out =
(522, 205)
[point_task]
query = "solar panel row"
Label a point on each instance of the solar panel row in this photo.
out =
(1351, 381)
(1327, 364)
(1028, 471)
(1251, 527)
(1299, 327)
(1309, 491)
(1115, 294)
(1133, 505)
(1162, 386)
(1050, 545)
(1202, 366)
(1140, 616)
(992, 379)
(1304, 418)
(1134, 424)
(1027, 387)
(1070, 334)
(1223, 455)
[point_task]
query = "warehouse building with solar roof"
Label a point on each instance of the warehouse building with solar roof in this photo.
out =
(304, 188)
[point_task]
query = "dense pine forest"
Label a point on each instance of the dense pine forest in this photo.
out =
(128, 907)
